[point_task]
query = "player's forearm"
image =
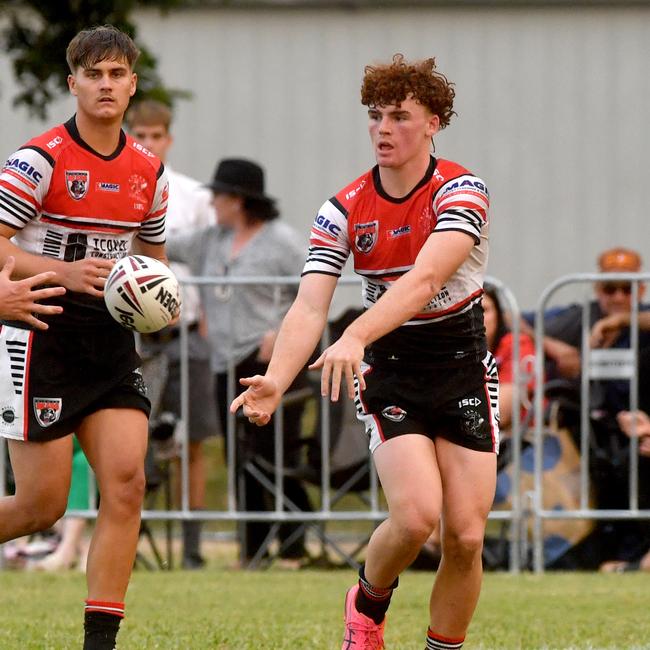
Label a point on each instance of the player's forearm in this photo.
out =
(157, 251)
(28, 264)
(405, 298)
(299, 335)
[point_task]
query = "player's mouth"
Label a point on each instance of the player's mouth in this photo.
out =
(384, 147)
(106, 100)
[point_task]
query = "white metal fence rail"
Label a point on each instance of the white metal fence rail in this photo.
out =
(596, 364)
(324, 512)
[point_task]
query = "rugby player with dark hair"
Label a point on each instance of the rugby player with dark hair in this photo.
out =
(74, 200)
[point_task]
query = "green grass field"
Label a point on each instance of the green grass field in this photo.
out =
(302, 610)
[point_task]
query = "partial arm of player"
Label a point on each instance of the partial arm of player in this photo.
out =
(439, 258)
(299, 334)
(18, 298)
(157, 251)
(84, 276)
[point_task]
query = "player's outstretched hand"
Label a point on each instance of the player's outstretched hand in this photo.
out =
(340, 360)
(259, 400)
(18, 298)
(87, 275)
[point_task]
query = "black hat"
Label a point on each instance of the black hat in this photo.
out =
(239, 176)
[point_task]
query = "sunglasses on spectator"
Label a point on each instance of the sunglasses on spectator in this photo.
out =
(610, 288)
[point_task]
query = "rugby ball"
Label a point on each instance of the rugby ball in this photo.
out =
(142, 293)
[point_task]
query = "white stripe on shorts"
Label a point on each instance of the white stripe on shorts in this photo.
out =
(492, 394)
(370, 422)
(15, 348)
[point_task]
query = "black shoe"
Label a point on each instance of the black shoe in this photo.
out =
(193, 562)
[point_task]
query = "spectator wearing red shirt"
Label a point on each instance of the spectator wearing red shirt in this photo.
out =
(500, 342)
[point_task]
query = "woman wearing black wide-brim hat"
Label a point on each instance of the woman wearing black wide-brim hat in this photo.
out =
(249, 240)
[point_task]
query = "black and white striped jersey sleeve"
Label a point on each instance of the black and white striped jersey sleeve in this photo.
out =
(24, 182)
(462, 204)
(329, 245)
(153, 227)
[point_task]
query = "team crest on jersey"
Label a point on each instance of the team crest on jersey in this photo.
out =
(47, 410)
(365, 236)
(137, 186)
(77, 183)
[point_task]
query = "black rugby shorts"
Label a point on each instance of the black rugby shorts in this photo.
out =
(458, 404)
(50, 381)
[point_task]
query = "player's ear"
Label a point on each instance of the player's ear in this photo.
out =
(134, 84)
(72, 84)
(433, 125)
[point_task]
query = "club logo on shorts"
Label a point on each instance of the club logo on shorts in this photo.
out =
(365, 236)
(47, 410)
(472, 422)
(394, 413)
(77, 183)
(8, 415)
(138, 382)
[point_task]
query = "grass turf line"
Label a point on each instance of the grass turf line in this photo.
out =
(277, 610)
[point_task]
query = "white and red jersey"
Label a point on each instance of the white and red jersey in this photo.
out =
(385, 235)
(69, 202)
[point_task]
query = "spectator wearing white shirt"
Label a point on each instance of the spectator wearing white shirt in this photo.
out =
(189, 209)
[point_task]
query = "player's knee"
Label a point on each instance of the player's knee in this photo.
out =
(463, 547)
(416, 526)
(126, 492)
(42, 514)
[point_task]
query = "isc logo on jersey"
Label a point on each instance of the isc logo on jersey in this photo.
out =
(144, 150)
(57, 140)
(25, 169)
(352, 193)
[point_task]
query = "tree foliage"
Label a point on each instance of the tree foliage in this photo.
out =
(37, 33)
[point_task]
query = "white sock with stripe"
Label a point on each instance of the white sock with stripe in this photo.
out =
(439, 642)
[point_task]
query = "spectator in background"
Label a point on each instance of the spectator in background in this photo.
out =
(563, 327)
(189, 210)
(500, 342)
(248, 240)
(609, 319)
(635, 424)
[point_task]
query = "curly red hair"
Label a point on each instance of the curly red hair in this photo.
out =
(394, 82)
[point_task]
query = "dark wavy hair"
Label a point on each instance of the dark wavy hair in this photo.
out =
(260, 209)
(90, 46)
(392, 83)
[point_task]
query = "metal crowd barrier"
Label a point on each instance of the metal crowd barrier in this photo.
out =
(596, 364)
(325, 513)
